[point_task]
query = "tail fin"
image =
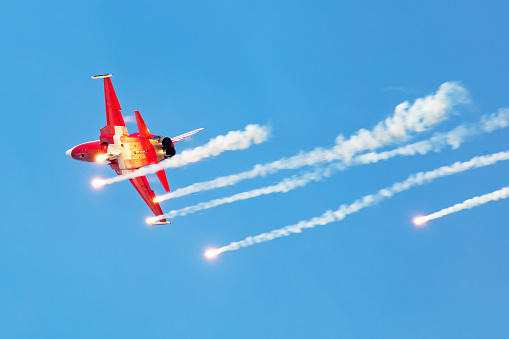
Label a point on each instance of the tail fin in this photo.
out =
(145, 133)
(142, 128)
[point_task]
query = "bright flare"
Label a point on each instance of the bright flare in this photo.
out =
(157, 199)
(150, 220)
(97, 183)
(419, 221)
(101, 157)
(212, 253)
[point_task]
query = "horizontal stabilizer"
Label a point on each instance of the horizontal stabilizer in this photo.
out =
(162, 177)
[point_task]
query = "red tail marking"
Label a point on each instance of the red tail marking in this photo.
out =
(142, 128)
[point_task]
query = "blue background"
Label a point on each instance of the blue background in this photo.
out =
(81, 263)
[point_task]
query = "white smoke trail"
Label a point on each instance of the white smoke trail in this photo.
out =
(234, 140)
(423, 115)
(366, 201)
(467, 204)
(453, 138)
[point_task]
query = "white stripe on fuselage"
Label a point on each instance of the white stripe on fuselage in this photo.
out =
(119, 150)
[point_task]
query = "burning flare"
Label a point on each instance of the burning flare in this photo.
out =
(212, 253)
(420, 221)
(101, 157)
(98, 183)
(150, 220)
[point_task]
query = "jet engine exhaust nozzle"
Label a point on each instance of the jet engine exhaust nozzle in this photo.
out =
(168, 147)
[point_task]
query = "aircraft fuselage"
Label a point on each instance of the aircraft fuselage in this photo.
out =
(123, 152)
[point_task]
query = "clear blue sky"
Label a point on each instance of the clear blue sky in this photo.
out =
(81, 263)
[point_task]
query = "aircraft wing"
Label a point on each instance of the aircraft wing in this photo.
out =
(143, 188)
(114, 121)
(185, 135)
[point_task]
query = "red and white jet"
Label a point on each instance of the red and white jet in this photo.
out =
(128, 152)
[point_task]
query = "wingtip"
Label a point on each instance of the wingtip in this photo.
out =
(101, 76)
(155, 223)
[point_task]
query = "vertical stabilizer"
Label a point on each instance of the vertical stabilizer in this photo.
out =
(142, 128)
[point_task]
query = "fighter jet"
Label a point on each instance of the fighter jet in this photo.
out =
(128, 152)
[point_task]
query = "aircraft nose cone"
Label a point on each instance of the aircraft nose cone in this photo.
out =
(68, 153)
